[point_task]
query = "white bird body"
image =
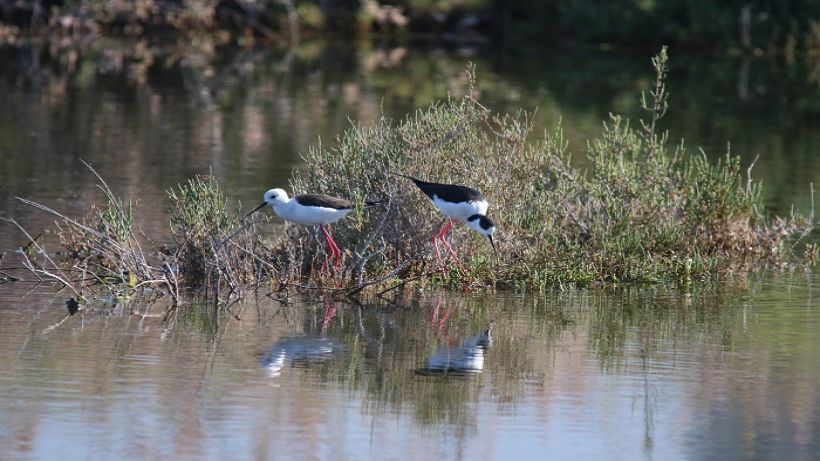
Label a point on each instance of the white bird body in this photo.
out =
(467, 358)
(307, 209)
(462, 210)
(291, 210)
(311, 210)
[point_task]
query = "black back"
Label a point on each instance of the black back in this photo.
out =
(323, 201)
(452, 193)
(326, 201)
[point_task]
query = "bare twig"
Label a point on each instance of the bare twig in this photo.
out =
(62, 278)
(749, 175)
(73, 222)
(56, 325)
(401, 267)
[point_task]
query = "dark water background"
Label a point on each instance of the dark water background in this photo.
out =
(721, 370)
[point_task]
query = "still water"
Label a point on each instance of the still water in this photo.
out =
(726, 371)
(721, 370)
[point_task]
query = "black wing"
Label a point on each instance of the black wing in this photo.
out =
(323, 201)
(452, 193)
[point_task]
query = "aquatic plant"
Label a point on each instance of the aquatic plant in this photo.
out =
(200, 224)
(211, 249)
(635, 209)
(640, 210)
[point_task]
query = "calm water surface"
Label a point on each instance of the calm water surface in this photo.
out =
(728, 370)
(715, 372)
(149, 115)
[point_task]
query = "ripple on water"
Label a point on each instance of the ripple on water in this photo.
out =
(588, 375)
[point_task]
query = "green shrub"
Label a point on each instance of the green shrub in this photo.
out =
(210, 246)
(199, 210)
(639, 211)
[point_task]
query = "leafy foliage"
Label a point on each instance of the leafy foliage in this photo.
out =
(634, 208)
(638, 211)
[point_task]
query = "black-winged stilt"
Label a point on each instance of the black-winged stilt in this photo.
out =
(458, 203)
(465, 359)
(299, 351)
(311, 210)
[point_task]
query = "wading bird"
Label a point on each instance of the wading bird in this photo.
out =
(311, 210)
(458, 203)
(464, 359)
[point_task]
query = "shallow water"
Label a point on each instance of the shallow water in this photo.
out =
(725, 370)
(717, 372)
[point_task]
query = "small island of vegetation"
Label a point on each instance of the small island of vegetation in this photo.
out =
(635, 209)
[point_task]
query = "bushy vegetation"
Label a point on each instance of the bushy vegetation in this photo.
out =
(212, 250)
(204, 249)
(639, 210)
(635, 208)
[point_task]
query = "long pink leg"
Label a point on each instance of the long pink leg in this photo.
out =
(444, 229)
(330, 312)
(335, 252)
(330, 248)
(338, 253)
(452, 252)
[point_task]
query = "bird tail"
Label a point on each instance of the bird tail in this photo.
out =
(406, 176)
(372, 203)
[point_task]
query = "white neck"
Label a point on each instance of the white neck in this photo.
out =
(283, 207)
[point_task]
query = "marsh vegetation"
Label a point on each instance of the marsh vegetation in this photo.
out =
(638, 209)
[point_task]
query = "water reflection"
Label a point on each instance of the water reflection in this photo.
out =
(151, 114)
(298, 352)
(464, 359)
(643, 372)
(727, 370)
(311, 348)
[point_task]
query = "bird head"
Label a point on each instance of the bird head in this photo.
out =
(273, 197)
(483, 225)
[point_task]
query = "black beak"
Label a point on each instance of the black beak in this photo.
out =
(255, 210)
(493, 244)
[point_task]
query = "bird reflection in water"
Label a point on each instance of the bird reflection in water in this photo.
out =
(440, 316)
(298, 352)
(460, 360)
(302, 351)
